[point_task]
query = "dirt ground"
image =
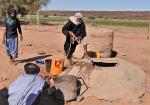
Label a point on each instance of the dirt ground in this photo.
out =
(129, 46)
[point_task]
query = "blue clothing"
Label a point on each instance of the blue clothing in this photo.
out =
(25, 89)
(12, 47)
(12, 24)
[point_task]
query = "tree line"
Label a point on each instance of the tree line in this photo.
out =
(23, 7)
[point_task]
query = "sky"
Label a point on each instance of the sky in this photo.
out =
(99, 5)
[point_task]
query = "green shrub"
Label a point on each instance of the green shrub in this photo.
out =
(46, 15)
(91, 17)
(100, 16)
(55, 14)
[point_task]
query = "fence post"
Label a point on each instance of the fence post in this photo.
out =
(148, 31)
(38, 21)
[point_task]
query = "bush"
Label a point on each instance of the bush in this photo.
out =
(55, 14)
(91, 17)
(45, 15)
(62, 15)
(106, 17)
(114, 18)
(100, 16)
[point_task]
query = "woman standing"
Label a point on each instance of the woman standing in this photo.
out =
(10, 35)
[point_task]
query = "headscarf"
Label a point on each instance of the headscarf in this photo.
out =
(75, 17)
(78, 15)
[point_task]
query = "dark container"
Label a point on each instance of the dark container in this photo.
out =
(48, 64)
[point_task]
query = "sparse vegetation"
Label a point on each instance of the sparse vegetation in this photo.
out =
(45, 15)
(117, 22)
(94, 21)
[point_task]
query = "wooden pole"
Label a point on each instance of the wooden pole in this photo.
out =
(148, 31)
(29, 18)
(38, 22)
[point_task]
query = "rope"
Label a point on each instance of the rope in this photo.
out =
(69, 48)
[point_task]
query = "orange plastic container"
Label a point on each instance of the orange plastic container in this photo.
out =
(56, 67)
(98, 54)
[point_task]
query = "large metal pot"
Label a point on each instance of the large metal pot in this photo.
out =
(67, 84)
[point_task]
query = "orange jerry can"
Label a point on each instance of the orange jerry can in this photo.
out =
(56, 67)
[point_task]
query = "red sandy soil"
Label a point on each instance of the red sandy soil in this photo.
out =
(50, 40)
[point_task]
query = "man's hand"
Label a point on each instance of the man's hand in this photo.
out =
(71, 33)
(52, 82)
(79, 39)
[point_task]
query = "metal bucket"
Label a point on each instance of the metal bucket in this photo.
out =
(67, 84)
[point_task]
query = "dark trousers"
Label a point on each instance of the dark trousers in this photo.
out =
(69, 48)
(4, 96)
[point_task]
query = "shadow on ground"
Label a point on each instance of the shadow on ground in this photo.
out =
(32, 59)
